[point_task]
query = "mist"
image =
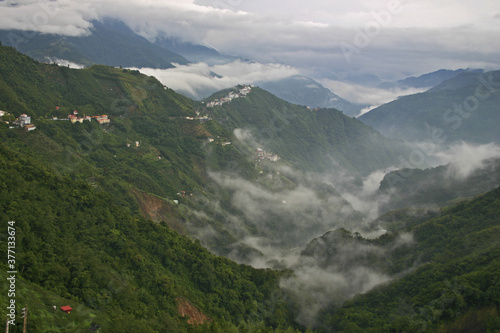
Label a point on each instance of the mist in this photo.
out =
(465, 158)
(199, 80)
(364, 94)
(336, 267)
(288, 219)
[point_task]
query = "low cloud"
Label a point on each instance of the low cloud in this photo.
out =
(65, 63)
(288, 217)
(367, 95)
(465, 158)
(334, 268)
(361, 193)
(315, 289)
(69, 18)
(200, 80)
(307, 36)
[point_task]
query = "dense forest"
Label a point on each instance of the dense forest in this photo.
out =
(103, 214)
(310, 139)
(82, 240)
(77, 245)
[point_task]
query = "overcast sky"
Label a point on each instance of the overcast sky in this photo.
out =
(322, 38)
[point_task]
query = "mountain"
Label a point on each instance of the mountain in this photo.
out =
(110, 43)
(302, 90)
(368, 80)
(77, 246)
(436, 186)
(448, 275)
(99, 208)
(439, 273)
(426, 80)
(465, 107)
(195, 52)
(112, 212)
(170, 159)
(314, 140)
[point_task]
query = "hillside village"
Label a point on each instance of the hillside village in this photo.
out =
(102, 119)
(232, 95)
(261, 155)
(23, 121)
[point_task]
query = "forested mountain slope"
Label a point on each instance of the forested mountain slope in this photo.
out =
(115, 268)
(311, 139)
(71, 191)
(444, 268)
(109, 42)
(465, 107)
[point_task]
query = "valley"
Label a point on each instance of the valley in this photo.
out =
(266, 206)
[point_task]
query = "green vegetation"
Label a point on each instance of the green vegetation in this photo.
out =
(464, 107)
(308, 139)
(81, 199)
(453, 282)
(110, 43)
(437, 186)
(76, 246)
(81, 236)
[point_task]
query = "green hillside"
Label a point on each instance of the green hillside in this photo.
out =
(106, 214)
(150, 157)
(315, 140)
(110, 42)
(465, 107)
(436, 186)
(446, 279)
(76, 245)
(82, 200)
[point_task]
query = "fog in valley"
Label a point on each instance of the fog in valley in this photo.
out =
(291, 220)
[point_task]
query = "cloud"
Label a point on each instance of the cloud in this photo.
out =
(200, 80)
(465, 158)
(335, 267)
(315, 289)
(66, 63)
(288, 217)
(367, 95)
(64, 17)
(420, 37)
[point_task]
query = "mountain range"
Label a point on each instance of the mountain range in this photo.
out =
(113, 43)
(428, 80)
(114, 218)
(465, 107)
(306, 91)
(110, 43)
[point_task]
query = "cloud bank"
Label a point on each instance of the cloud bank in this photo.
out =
(392, 39)
(200, 80)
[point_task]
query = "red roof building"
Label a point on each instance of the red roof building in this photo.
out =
(66, 308)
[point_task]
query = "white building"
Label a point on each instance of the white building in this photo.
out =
(24, 120)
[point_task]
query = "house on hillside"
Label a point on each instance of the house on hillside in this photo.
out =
(67, 308)
(24, 120)
(30, 127)
(102, 119)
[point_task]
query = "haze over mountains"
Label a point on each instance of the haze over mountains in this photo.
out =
(201, 70)
(465, 107)
(173, 186)
(109, 43)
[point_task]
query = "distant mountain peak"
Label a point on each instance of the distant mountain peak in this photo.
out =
(111, 42)
(303, 90)
(427, 80)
